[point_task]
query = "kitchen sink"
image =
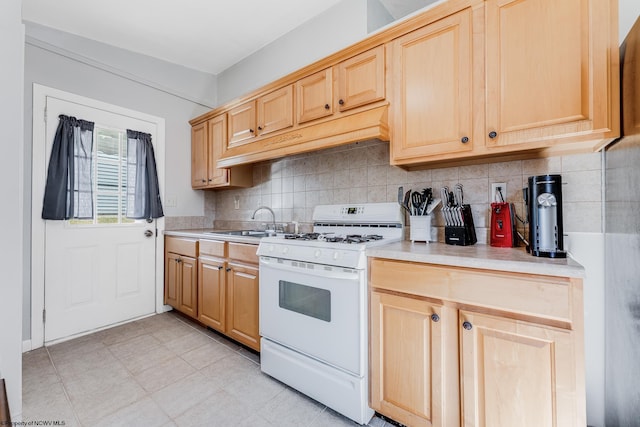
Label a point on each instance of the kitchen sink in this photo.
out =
(244, 233)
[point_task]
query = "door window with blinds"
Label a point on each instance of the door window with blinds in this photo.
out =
(110, 189)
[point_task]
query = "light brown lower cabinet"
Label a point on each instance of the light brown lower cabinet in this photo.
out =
(228, 290)
(215, 282)
(181, 283)
(453, 347)
(410, 379)
(242, 304)
(516, 373)
(212, 289)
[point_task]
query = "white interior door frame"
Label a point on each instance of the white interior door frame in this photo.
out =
(39, 175)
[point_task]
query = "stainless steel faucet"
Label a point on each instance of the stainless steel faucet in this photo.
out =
(273, 215)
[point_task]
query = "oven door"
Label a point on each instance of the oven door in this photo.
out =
(315, 309)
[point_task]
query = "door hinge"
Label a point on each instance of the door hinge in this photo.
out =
(44, 315)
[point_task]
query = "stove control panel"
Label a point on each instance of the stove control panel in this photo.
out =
(352, 210)
(327, 256)
(366, 213)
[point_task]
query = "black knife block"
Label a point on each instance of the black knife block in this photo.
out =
(462, 235)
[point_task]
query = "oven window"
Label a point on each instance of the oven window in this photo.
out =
(307, 300)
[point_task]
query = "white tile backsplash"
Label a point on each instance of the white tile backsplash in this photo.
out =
(361, 173)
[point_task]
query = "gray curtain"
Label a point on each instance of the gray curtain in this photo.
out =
(68, 192)
(143, 192)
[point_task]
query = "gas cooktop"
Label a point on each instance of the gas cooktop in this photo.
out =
(334, 238)
(341, 233)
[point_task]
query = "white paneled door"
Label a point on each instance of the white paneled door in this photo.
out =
(98, 271)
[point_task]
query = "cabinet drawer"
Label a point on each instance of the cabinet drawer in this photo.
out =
(243, 252)
(214, 248)
(182, 246)
(523, 294)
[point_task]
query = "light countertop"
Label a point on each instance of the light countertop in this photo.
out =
(206, 233)
(478, 256)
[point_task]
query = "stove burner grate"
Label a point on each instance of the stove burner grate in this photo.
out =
(332, 238)
(302, 236)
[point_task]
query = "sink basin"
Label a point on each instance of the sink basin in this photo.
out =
(244, 233)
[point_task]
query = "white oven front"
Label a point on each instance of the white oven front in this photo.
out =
(317, 310)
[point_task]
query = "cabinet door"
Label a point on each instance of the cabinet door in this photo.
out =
(515, 373)
(412, 381)
(314, 96)
(188, 286)
(548, 72)
(361, 79)
(211, 293)
(217, 144)
(242, 304)
(171, 279)
(275, 110)
(242, 124)
(199, 155)
(431, 89)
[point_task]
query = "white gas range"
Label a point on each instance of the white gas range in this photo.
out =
(313, 303)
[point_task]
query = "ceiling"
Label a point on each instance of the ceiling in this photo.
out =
(205, 35)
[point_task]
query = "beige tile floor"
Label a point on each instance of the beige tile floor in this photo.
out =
(162, 371)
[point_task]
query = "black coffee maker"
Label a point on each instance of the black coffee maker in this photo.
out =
(543, 198)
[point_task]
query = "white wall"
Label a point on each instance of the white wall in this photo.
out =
(65, 72)
(336, 28)
(192, 85)
(377, 15)
(629, 12)
(11, 78)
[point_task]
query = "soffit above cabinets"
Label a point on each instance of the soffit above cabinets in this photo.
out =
(204, 35)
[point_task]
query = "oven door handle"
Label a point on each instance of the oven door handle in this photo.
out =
(331, 272)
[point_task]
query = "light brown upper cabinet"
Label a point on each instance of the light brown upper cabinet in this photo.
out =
(199, 154)
(506, 76)
(208, 142)
(431, 89)
(242, 124)
(552, 71)
(217, 135)
(339, 102)
(266, 114)
(314, 95)
(275, 111)
(361, 79)
(463, 80)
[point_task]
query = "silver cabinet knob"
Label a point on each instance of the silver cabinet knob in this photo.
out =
(148, 233)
